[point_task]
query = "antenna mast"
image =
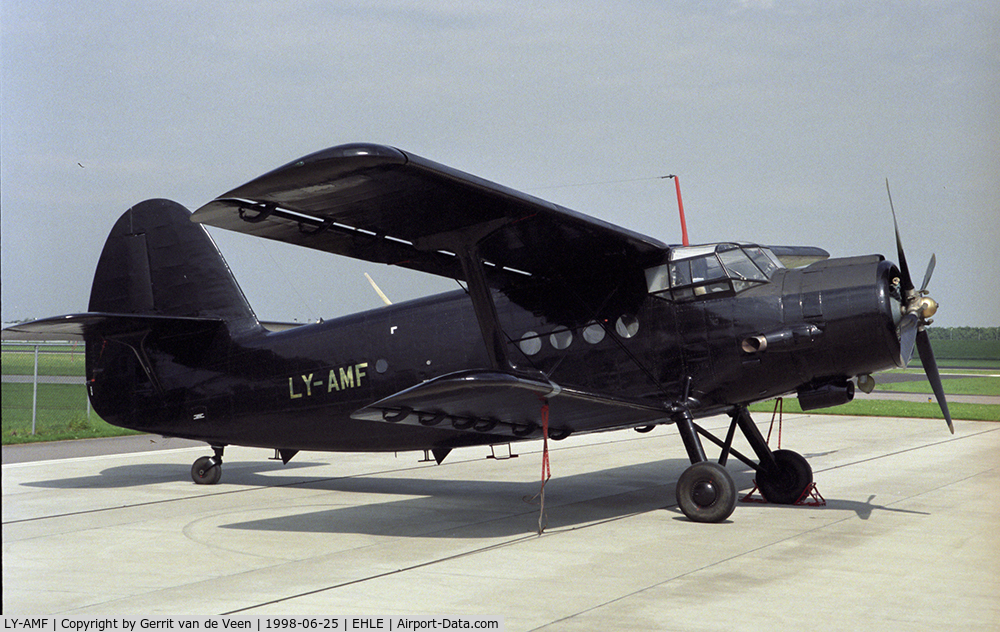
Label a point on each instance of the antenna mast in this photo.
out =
(680, 207)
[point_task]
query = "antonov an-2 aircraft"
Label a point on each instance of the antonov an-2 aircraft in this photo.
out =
(565, 325)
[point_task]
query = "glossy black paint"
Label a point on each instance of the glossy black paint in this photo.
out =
(384, 205)
(201, 366)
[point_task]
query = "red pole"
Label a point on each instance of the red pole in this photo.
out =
(680, 208)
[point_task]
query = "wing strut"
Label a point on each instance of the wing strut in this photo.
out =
(468, 240)
(486, 309)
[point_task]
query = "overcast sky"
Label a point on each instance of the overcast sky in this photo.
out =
(782, 118)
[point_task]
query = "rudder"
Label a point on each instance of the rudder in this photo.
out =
(156, 261)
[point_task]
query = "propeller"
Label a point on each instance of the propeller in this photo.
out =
(917, 308)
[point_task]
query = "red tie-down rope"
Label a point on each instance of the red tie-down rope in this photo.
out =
(779, 412)
(546, 470)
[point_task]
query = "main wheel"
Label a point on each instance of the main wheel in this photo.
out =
(204, 471)
(706, 492)
(786, 484)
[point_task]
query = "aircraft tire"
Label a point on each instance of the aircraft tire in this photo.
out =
(203, 472)
(706, 492)
(558, 434)
(787, 485)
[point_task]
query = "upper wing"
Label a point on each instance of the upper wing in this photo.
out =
(380, 204)
(798, 256)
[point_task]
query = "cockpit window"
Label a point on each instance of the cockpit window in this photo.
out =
(764, 259)
(717, 269)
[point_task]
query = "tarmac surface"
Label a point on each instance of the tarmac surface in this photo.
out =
(907, 540)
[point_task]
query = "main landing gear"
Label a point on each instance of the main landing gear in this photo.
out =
(208, 469)
(707, 493)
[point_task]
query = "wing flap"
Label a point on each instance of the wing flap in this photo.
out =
(489, 402)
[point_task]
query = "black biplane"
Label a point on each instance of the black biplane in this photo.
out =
(565, 325)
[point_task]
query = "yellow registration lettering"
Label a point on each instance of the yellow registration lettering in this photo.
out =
(333, 386)
(308, 380)
(291, 389)
(359, 372)
(346, 377)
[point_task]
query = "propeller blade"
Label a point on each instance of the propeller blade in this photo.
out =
(930, 270)
(930, 368)
(907, 336)
(907, 283)
(911, 329)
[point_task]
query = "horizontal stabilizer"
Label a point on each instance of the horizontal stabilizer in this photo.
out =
(77, 326)
(491, 402)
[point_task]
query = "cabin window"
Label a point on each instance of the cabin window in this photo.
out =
(742, 271)
(593, 333)
(764, 259)
(680, 273)
(530, 343)
(739, 265)
(561, 338)
(658, 279)
(699, 276)
(700, 271)
(627, 326)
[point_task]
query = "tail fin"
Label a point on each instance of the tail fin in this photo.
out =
(156, 261)
(164, 305)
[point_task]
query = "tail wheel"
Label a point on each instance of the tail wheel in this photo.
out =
(206, 471)
(706, 492)
(786, 484)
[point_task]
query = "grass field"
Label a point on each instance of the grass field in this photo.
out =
(62, 414)
(986, 385)
(892, 408)
(63, 360)
(982, 354)
(966, 349)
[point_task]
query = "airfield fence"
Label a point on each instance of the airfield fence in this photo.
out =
(44, 389)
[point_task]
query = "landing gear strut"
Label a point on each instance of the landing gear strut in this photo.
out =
(707, 493)
(208, 469)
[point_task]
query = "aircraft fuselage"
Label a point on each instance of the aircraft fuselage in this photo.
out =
(297, 389)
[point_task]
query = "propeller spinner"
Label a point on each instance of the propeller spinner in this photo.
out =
(917, 309)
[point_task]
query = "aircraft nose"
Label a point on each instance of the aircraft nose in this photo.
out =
(855, 304)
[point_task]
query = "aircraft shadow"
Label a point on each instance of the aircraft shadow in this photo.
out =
(125, 476)
(864, 509)
(451, 508)
(410, 506)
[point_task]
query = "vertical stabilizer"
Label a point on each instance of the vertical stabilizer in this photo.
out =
(156, 261)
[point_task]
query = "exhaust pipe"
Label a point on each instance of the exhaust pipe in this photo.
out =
(782, 339)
